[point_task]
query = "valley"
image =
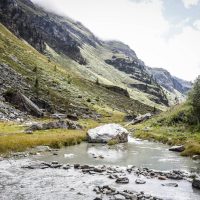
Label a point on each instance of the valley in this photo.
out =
(86, 118)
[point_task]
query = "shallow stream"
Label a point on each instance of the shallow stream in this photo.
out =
(19, 183)
(140, 153)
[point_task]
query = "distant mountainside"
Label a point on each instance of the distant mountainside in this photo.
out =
(92, 68)
(169, 82)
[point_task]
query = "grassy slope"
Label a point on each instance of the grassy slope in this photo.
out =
(63, 85)
(60, 86)
(171, 127)
(13, 137)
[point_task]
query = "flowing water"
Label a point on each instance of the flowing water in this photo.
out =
(17, 183)
(140, 153)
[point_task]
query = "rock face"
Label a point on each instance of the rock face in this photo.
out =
(177, 148)
(105, 133)
(38, 29)
(137, 70)
(23, 103)
(169, 82)
(117, 90)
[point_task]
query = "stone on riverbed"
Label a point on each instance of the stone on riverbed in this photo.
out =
(119, 197)
(196, 157)
(140, 181)
(122, 180)
(196, 183)
(105, 133)
(177, 148)
(170, 184)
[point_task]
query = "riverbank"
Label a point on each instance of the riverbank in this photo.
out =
(28, 179)
(14, 138)
(171, 128)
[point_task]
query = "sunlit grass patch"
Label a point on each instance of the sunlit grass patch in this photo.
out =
(171, 135)
(53, 138)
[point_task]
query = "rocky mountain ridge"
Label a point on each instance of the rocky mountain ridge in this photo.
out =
(169, 82)
(88, 62)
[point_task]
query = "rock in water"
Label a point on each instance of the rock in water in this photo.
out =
(196, 183)
(105, 133)
(140, 181)
(177, 148)
(122, 180)
(170, 184)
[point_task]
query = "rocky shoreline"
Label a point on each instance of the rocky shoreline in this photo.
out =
(107, 182)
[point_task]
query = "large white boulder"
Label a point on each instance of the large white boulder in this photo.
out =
(105, 133)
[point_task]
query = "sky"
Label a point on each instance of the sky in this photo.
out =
(163, 33)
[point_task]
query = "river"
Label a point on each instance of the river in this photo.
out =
(17, 183)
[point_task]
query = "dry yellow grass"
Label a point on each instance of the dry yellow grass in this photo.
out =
(13, 139)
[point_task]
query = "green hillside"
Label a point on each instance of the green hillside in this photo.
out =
(174, 127)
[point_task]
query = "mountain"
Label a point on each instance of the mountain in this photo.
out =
(62, 66)
(169, 82)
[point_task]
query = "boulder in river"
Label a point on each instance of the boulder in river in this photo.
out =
(177, 148)
(105, 133)
(196, 183)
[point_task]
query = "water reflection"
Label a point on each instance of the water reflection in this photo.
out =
(135, 152)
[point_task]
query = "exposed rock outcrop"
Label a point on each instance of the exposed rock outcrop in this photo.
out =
(169, 82)
(23, 103)
(61, 124)
(117, 89)
(37, 28)
(138, 71)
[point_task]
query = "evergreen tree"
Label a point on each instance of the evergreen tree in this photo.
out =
(194, 99)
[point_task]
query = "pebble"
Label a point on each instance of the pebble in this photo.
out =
(122, 180)
(162, 177)
(140, 181)
(170, 184)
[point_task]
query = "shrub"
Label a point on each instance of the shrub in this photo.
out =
(194, 99)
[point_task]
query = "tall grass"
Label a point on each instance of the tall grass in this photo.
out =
(12, 138)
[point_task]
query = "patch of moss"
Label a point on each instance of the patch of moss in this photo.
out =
(113, 142)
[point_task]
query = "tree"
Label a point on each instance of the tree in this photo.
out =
(97, 82)
(176, 100)
(35, 69)
(154, 109)
(194, 99)
(55, 68)
(36, 86)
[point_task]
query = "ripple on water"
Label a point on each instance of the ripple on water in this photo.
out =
(135, 152)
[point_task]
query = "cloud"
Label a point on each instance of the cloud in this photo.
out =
(196, 24)
(189, 3)
(142, 26)
(182, 53)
